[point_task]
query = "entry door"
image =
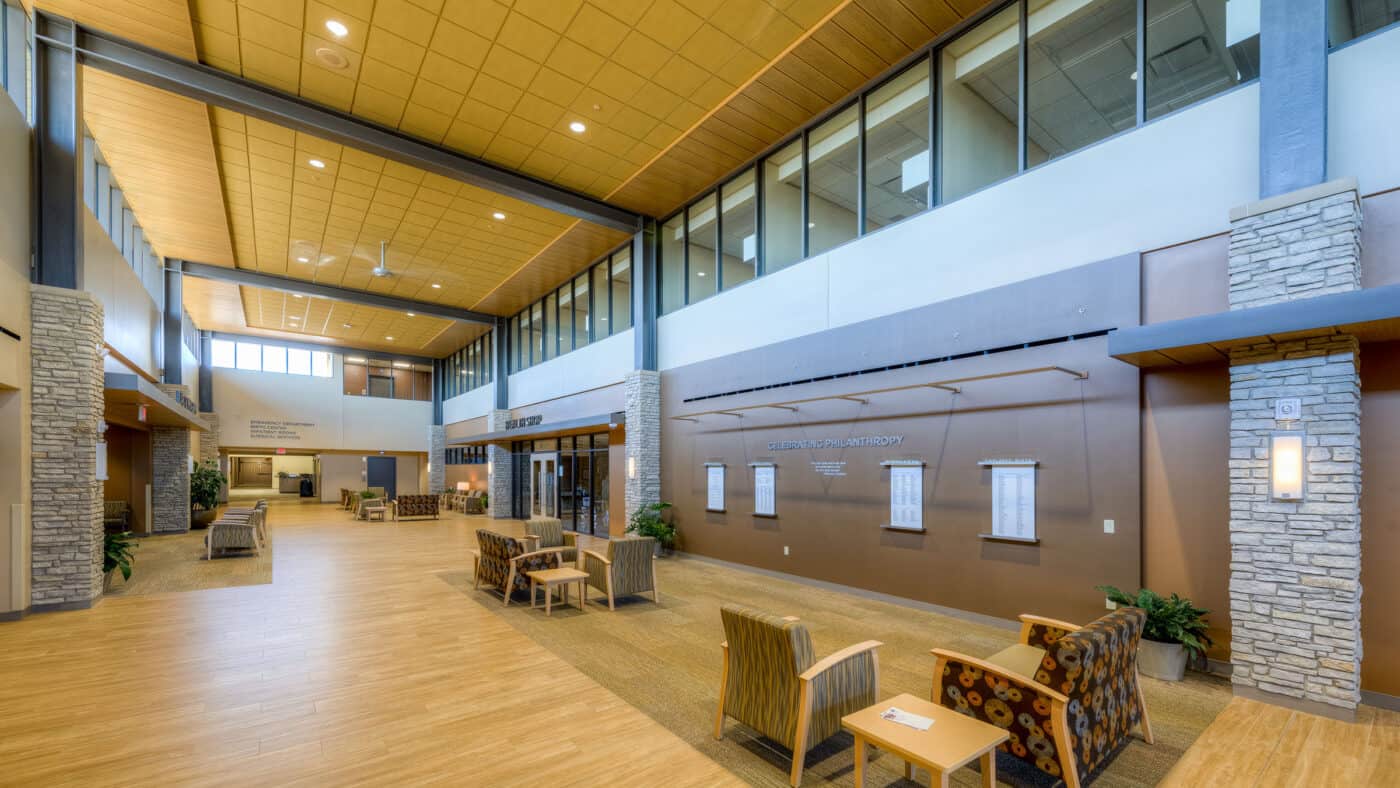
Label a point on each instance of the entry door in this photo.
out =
(544, 485)
(382, 472)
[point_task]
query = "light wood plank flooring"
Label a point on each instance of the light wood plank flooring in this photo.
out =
(357, 665)
(1256, 744)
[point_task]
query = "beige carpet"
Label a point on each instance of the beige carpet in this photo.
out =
(177, 562)
(665, 660)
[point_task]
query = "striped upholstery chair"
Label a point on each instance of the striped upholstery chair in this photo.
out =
(1076, 712)
(416, 506)
(627, 569)
(504, 562)
(773, 683)
(551, 533)
(237, 529)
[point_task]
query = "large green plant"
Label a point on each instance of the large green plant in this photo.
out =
(650, 520)
(366, 495)
(1169, 619)
(117, 553)
(205, 482)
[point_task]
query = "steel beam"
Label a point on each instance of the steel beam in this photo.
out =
(173, 324)
(644, 297)
(500, 359)
(58, 150)
(211, 86)
(206, 372)
(1292, 96)
(286, 284)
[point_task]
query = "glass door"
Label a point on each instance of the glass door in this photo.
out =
(544, 488)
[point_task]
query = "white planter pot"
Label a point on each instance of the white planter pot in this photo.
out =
(1166, 661)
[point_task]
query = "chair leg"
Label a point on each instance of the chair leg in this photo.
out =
(799, 744)
(1059, 720)
(510, 583)
(611, 601)
(723, 691)
(1142, 713)
(655, 589)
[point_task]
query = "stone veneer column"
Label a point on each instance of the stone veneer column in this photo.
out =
(209, 441)
(67, 386)
(170, 472)
(1295, 591)
(437, 459)
(502, 469)
(643, 413)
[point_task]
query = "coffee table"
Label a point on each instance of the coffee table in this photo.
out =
(953, 741)
(549, 578)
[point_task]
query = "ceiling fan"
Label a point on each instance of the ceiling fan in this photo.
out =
(382, 270)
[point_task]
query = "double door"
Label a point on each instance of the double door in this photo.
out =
(544, 486)
(569, 484)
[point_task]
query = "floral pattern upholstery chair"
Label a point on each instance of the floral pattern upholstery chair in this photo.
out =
(116, 516)
(773, 683)
(416, 506)
(551, 533)
(504, 562)
(628, 568)
(1076, 712)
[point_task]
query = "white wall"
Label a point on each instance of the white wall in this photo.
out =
(131, 319)
(316, 413)
(1363, 113)
(15, 371)
(602, 363)
(469, 405)
(1173, 180)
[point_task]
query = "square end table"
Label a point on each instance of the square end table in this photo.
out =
(953, 741)
(564, 576)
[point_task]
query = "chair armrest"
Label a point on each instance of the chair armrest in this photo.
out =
(597, 557)
(536, 553)
(1027, 618)
(996, 670)
(837, 658)
(570, 539)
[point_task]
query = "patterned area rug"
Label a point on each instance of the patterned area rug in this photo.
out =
(665, 660)
(177, 563)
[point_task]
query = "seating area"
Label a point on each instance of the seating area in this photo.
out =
(238, 529)
(415, 506)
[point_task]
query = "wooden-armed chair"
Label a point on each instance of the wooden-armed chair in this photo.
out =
(237, 529)
(503, 563)
(773, 683)
(628, 568)
(549, 531)
(1075, 712)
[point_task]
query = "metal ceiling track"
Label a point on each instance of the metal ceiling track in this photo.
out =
(284, 284)
(147, 66)
(950, 385)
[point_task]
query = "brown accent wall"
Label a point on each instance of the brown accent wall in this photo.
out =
(1380, 239)
(1084, 433)
(1380, 517)
(1186, 280)
(466, 429)
(356, 377)
(128, 471)
(1186, 490)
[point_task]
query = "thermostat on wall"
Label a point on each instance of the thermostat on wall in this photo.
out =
(1289, 409)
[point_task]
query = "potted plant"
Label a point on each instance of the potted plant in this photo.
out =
(651, 520)
(205, 482)
(1175, 629)
(117, 557)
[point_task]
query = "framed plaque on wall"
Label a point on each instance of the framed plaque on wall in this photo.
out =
(765, 489)
(1013, 500)
(714, 486)
(906, 495)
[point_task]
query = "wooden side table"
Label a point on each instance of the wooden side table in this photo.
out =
(549, 578)
(953, 741)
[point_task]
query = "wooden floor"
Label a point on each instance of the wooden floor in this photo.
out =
(1255, 744)
(357, 665)
(360, 665)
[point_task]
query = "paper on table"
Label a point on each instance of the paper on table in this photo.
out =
(895, 714)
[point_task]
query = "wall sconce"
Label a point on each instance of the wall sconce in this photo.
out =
(1286, 465)
(631, 467)
(490, 467)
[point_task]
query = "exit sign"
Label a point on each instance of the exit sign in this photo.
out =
(281, 451)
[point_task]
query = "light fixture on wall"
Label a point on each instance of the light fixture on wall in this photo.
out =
(631, 467)
(1286, 465)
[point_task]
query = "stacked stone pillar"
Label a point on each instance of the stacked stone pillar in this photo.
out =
(65, 421)
(170, 472)
(437, 459)
(1295, 591)
(502, 469)
(643, 413)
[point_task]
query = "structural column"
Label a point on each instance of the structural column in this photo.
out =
(170, 472)
(643, 413)
(1295, 591)
(65, 420)
(501, 468)
(437, 459)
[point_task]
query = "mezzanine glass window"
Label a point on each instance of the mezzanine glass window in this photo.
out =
(701, 243)
(897, 152)
(621, 290)
(672, 263)
(833, 158)
(739, 231)
(1197, 48)
(979, 107)
(1352, 19)
(782, 208)
(602, 321)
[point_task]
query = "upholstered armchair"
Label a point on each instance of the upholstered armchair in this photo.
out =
(416, 506)
(504, 563)
(773, 683)
(628, 568)
(116, 516)
(471, 503)
(550, 532)
(1077, 710)
(238, 530)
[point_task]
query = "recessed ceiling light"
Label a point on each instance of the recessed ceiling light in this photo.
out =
(699, 273)
(337, 28)
(303, 260)
(1133, 76)
(577, 127)
(410, 314)
(317, 163)
(498, 216)
(296, 295)
(437, 286)
(346, 325)
(391, 339)
(331, 58)
(811, 225)
(464, 372)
